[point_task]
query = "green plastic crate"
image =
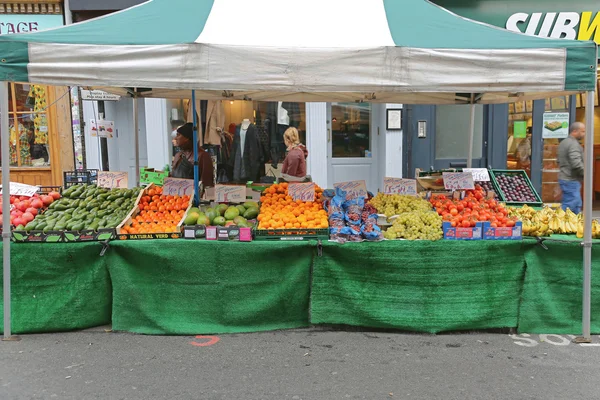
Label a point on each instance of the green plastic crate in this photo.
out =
(497, 172)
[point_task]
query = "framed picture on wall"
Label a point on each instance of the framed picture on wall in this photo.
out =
(394, 119)
(559, 103)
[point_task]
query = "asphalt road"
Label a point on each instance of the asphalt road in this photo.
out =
(301, 364)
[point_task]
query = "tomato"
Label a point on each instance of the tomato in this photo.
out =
(494, 225)
(453, 223)
(466, 224)
(510, 223)
(448, 217)
(460, 207)
(454, 211)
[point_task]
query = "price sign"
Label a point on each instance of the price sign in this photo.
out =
(400, 186)
(178, 187)
(479, 174)
(302, 191)
(230, 194)
(113, 179)
(353, 189)
(458, 181)
(19, 189)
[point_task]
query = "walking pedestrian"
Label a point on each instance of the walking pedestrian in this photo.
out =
(570, 161)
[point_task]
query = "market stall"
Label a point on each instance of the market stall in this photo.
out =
(457, 61)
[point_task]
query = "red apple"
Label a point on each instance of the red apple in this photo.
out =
(12, 199)
(55, 195)
(27, 217)
(32, 211)
(24, 205)
(47, 200)
(18, 221)
(24, 198)
(37, 203)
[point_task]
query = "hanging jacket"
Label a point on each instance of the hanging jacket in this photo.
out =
(247, 166)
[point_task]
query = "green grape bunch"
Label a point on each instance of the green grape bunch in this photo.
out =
(396, 204)
(416, 225)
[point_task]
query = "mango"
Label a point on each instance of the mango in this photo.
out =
(231, 213)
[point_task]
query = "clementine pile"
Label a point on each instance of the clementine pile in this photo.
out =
(279, 211)
(158, 213)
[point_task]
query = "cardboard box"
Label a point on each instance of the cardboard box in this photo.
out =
(514, 233)
(460, 233)
(270, 171)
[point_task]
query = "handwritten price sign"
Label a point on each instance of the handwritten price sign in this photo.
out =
(19, 189)
(302, 191)
(112, 180)
(353, 189)
(178, 187)
(230, 194)
(458, 181)
(400, 186)
(479, 174)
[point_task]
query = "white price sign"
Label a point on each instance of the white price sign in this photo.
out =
(230, 194)
(178, 187)
(458, 181)
(353, 189)
(20, 189)
(302, 191)
(479, 174)
(113, 179)
(400, 186)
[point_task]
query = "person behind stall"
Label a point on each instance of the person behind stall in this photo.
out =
(294, 165)
(183, 162)
(570, 161)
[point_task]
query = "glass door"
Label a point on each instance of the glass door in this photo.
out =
(351, 146)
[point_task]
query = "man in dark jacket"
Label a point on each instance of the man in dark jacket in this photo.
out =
(570, 161)
(183, 162)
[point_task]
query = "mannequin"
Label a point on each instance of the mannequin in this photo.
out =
(246, 154)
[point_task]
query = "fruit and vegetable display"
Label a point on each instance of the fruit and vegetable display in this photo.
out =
(24, 209)
(515, 188)
(223, 215)
(487, 187)
(413, 218)
(547, 221)
(279, 211)
(85, 207)
(352, 220)
(156, 213)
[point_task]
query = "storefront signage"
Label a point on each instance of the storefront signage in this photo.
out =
(479, 174)
(230, 194)
(178, 187)
(556, 125)
(104, 129)
(26, 23)
(400, 186)
(98, 95)
(458, 181)
(113, 179)
(353, 189)
(20, 189)
(520, 129)
(558, 25)
(302, 191)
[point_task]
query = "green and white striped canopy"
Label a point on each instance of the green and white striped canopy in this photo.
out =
(404, 51)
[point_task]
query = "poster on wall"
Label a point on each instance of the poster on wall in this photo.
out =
(104, 129)
(556, 125)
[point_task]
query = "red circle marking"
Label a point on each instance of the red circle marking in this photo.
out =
(211, 340)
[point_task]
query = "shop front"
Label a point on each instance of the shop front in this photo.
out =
(41, 144)
(514, 137)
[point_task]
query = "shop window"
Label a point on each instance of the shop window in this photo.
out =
(551, 192)
(28, 125)
(351, 130)
(452, 128)
(520, 120)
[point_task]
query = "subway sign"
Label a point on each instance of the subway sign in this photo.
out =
(557, 25)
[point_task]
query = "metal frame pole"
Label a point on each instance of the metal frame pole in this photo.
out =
(195, 139)
(5, 133)
(136, 135)
(471, 132)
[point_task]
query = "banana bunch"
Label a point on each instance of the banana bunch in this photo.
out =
(536, 228)
(546, 221)
(595, 229)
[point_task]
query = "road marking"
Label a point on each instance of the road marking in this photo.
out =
(207, 341)
(526, 340)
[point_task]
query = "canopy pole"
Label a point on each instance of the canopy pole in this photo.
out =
(5, 133)
(136, 135)
(588, 182)
(195, 140)
(471, 132)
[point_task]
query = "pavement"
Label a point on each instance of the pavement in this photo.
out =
(298, 365)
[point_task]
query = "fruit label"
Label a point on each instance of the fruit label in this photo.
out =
(458, 181)
(400, 186)
(302, 191)
(479, 174)
(19, 189)
(230, 194)
(178, 187)
(353, 189)
(113, 179)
